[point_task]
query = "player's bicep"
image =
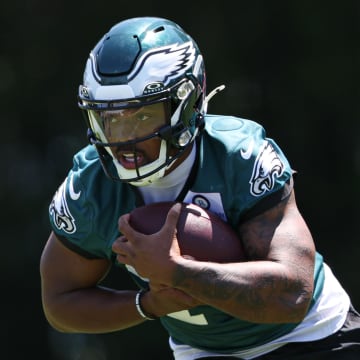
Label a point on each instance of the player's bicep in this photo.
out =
(279, 234)
(63, 270)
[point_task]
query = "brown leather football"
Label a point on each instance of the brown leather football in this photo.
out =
(201, 233)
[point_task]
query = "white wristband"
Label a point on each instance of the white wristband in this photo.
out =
(138, 305)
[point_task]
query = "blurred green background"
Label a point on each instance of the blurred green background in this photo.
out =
(293, 66)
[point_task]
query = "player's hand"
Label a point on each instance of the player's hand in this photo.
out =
(162, 300)
(153, 256)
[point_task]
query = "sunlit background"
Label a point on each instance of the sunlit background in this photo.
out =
(293, 66)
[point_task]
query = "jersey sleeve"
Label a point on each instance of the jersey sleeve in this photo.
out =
(74, 215)
(263, 176)
(257, 173)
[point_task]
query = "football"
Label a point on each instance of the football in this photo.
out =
(201, 234)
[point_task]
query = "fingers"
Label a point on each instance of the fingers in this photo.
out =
(123, 224)
(171, 299)
(139, 250)
(173, 217)
(170, 224)
(117, 245)
(121, 247)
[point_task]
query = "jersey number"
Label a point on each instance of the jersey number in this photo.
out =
(184, 315)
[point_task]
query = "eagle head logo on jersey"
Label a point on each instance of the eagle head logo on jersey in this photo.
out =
(60, 213)
(267, 167)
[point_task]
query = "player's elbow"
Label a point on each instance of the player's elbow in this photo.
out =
(51, 319)
(297, 304)
(54, 316)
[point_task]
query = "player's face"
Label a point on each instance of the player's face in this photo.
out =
(142, 153)
(123, 125)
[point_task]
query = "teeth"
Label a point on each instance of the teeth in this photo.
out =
(131, 157)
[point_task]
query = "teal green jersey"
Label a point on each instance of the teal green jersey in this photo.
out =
(239, 172)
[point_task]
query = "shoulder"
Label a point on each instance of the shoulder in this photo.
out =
(87, 167)
(85, 207)
(71, 199)
(87, 158)
(233, 129)
(252, 163)
(243, 141)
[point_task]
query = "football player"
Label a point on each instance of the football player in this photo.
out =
(150, 139)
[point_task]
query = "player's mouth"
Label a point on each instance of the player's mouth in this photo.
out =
(130, 159)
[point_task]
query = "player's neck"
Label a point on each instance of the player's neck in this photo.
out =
(169, 187)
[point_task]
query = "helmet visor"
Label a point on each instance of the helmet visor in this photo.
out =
(128, 124)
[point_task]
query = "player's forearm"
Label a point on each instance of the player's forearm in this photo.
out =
(95, 310)
(262, 292)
